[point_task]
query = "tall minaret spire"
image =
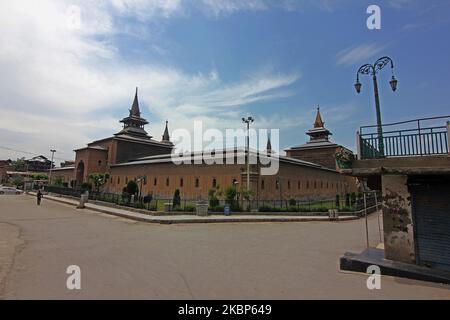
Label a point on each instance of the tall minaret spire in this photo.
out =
(166, 137)
(134, 111)
(318, 123)
(133, 124)
(269, 146)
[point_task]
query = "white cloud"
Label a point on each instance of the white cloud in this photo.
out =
(357, 54)
(58, 85)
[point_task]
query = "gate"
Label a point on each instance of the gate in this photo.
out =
(431, 214)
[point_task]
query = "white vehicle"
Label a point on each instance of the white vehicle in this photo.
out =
(10, 190)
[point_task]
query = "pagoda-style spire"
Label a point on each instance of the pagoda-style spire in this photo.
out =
(318, 123)
(134, 111)
(166, 137)
(133, 124)
(319, 133)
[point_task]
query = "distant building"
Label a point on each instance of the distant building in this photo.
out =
(38, 164)
(5, 166)
(66, 164)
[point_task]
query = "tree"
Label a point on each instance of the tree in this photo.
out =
(213, 196)
(17, 181)
(132, 187)
(230, 195)
(59, 181)
(247, 194)
(99, 179)
(19, 164)
(176, 199)
(86, 186)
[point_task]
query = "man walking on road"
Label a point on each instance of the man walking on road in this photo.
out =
(39, 196)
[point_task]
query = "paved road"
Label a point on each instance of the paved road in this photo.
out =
(125, 259)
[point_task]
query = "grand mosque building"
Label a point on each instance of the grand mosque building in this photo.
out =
(307, 171)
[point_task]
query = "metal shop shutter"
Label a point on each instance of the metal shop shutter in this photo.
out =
(431, 213)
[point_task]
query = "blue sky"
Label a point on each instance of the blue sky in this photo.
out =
(213, 60)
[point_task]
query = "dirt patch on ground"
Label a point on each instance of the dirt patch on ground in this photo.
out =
(9, 244)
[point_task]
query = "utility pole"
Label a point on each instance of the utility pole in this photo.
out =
(248, 121)
(51, 167)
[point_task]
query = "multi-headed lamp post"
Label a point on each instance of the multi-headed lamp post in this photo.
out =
(248, 121)
(369, 69)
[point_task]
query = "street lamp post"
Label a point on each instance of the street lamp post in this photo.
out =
(248, 121)
(369, 69)
(51, 167)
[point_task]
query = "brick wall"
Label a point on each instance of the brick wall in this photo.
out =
(322, 156)
(294, 181)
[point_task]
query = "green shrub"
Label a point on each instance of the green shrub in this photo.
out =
(217, 208)
(269, 209)
(347, 209)
(86, 186)
(189, 208)
(213, 194)
(132, 187)
(353, 198)
(292, 202)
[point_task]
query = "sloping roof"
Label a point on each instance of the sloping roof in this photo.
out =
(63, 168)
(100, 148)
(227, 153)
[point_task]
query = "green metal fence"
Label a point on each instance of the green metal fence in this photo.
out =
(349, 203)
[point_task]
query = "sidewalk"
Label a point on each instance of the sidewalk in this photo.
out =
(172, 219)
(375, 256)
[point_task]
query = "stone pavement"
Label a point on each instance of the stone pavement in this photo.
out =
(172, 219)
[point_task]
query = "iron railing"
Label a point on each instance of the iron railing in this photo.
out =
(343, 203)
(420, 137)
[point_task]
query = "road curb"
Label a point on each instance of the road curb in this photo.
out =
(211, 219)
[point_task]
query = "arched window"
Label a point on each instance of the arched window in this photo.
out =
(262, 184)
(197, 182)
(181, 182)
(167, 181)
(214, 183)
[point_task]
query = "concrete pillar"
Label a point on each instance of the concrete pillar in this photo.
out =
(397, 219)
